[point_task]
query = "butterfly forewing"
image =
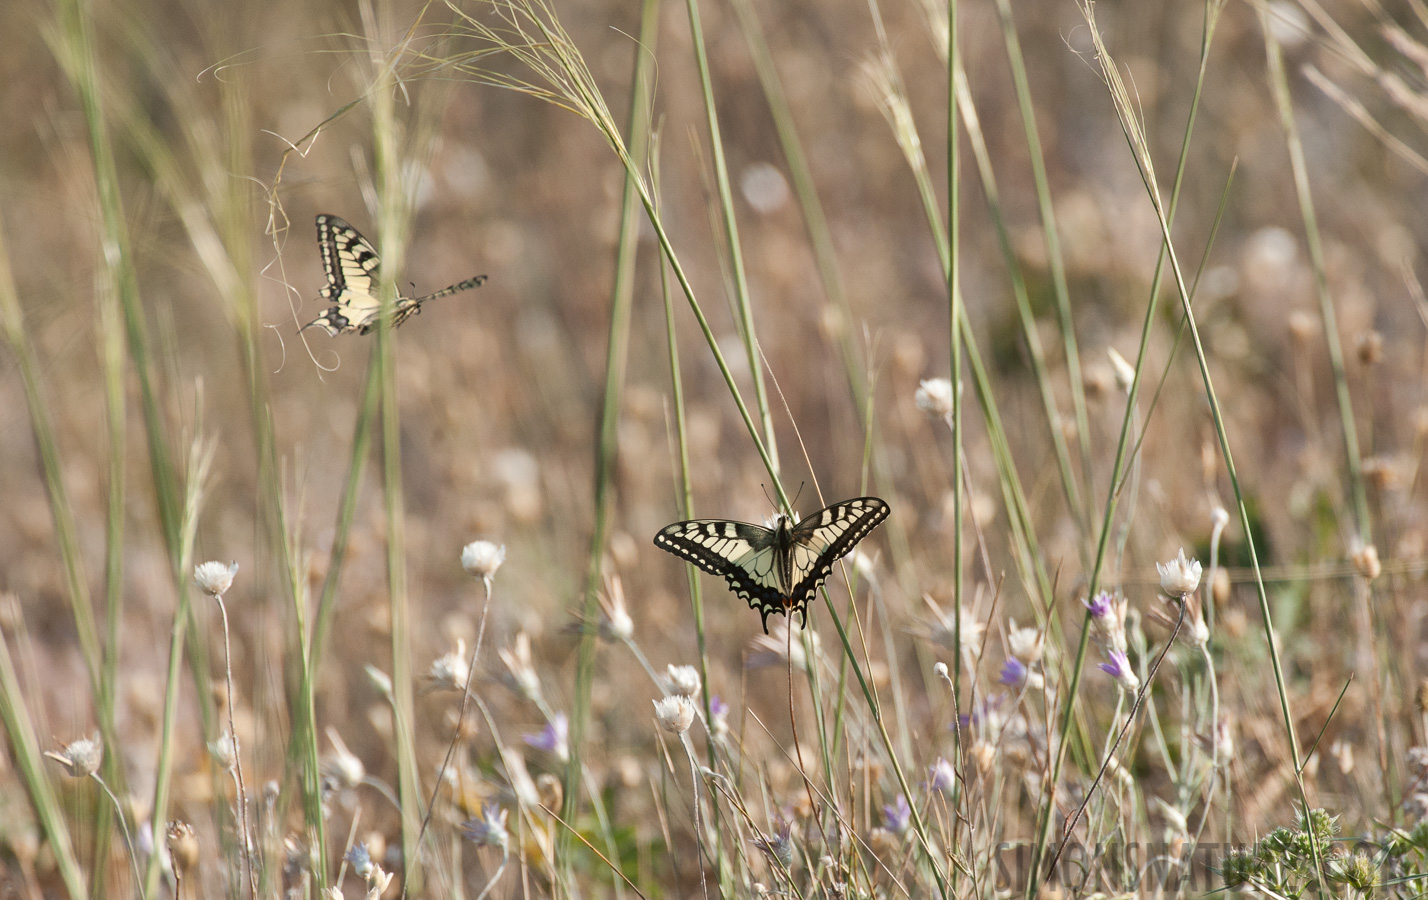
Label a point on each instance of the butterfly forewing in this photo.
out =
(353, 277)
(780, 569)
(826, 537)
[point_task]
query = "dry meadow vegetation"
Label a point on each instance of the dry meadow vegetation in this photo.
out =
(726, 242)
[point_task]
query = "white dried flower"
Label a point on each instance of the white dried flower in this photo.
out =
(1026, 644)
(675, 714)
(1366, 563)
(1179, 577)
(682, 680)
(80, 758)
(934, 397)
(343, 765)
(615, 621)
(939, 669)
(481, 559)
(1124, 371)
(523, 673)
(224, 751)
(215, 578)
(449, 671)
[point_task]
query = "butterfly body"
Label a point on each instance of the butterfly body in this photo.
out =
(353, 272)
(776, 569)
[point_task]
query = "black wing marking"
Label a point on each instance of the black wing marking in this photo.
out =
(825, 537)
(353, 272)
(746, 556)
(750, 558)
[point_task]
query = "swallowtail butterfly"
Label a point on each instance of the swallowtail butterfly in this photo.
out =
(779, 569)
(352, 270)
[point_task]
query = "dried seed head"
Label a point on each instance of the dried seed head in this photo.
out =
(1370, 347)
(183, 847)
(224, 751)
(214, 578)
(682, 680)
(449, 671)
(1179, 577)
(342, 765)
(1026, 644)
(80, 758)
(1366, 562)
(518, 662)
(481, 559)
(934, 397)
(1125, 372)
(675, 714)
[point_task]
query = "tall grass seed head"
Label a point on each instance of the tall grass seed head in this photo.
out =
(1180, 577)
(80, 758)
(481, 559)
(675, 714)
(682, 680)
(214, 578)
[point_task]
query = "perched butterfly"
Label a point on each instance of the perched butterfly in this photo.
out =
(775, 569)
(352, 273)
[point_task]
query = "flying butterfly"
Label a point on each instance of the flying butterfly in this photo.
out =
(779, 569)
(352, 268)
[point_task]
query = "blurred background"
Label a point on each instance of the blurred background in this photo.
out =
(500, 388)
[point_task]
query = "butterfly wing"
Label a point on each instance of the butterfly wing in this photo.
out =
(824, 538)
(744, 555)
(751, 558)
(352, 268)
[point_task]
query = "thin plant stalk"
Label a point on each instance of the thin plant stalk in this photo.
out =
(731, 235)
(1140, 152)
(1051, 237)
(622, 292)
(1212, 11)
(1348, 424)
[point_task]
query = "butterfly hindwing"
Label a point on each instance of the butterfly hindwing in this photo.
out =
(779, 569)
(353, 272)
(744, 555)
(826, 537)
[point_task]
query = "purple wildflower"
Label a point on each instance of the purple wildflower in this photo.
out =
(1120, 669)
(897, 815)
(554, 738)
(1013, 673)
